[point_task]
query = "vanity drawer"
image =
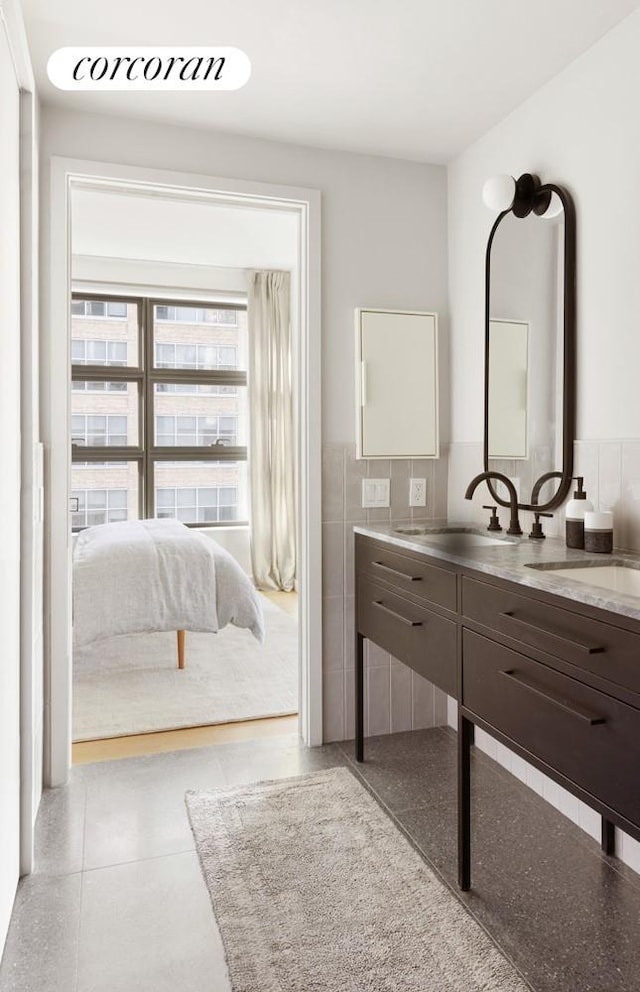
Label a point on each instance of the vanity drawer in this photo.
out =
(593, 645)
(423, 640)
(408, 573)
(586, 735)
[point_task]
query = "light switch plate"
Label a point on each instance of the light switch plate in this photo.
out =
(375, 492)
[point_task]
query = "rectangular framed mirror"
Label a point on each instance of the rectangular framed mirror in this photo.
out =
(396, 383)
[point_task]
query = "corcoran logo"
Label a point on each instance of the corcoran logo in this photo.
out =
(164, 68)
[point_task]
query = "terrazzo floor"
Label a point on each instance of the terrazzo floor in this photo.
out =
(118, 903)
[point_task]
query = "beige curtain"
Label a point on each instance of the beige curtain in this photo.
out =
(272, 455)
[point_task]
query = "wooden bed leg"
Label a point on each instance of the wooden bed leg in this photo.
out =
(181, 639)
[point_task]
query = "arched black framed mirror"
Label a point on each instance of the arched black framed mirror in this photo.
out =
(530, 334)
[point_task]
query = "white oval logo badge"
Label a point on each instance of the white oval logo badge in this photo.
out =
(148, 68)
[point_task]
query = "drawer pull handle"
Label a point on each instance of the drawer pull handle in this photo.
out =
(573, 709)
(396, 571)
(398, 616)
(578, 645)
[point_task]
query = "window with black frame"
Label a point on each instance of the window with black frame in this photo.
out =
(158, 410)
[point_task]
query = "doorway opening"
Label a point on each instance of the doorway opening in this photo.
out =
(161, 416)
(160, 332)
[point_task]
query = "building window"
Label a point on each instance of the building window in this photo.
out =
(113, 309)
(189, 431)
(164, 397)
(98, 429)
(197, 315)
(205, 504)
(98, 352)
(99, 506)
(190, 389)
(196, 356)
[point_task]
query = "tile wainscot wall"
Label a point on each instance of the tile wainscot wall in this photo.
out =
(397, 699)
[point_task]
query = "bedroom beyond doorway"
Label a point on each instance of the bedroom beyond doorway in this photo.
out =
(161, 424)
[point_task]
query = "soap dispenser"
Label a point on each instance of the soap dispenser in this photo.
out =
(574, 516)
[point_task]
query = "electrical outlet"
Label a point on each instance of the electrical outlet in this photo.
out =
(417, 492)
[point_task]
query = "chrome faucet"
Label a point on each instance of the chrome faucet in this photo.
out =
(514, 525)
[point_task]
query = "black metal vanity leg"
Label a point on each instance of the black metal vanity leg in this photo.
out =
(608, 837)
(359, 697)
(465, 735)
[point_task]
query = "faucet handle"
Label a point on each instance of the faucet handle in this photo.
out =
(536, 528)
(494, 523)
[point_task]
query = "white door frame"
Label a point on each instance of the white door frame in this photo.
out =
(65, 174)
(31, 528)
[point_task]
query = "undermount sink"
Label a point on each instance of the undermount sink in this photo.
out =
(454, 539)
(618, 575)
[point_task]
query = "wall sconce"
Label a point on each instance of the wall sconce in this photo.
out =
(523, 195)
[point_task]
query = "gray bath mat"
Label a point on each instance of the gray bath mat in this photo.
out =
(316, 890)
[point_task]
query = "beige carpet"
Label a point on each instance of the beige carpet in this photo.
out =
(314, 888)
(131, 685)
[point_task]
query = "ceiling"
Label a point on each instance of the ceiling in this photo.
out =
(415, 79)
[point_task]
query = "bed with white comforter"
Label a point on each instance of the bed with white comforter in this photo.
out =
(142, 576)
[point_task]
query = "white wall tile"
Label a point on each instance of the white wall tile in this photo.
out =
(333, 559)
(589, 820)
(439, 707)
(569, 806)
(552, 793)
(609, 475)
(585, 463)
(349, 651)
(440, 485)
(379, 700)
(534, 779)
(377, 657)
(333, 706)
(355, 470)
(422, 702)
(518, 767)
(626, 522)
(333, 482)
(465, 462)
(452, 712)
(503, 755)
(485, 742)
(401, 714)
(400, 489)
(349, 706)
(628, 850)
(349, 560)
(333, 633)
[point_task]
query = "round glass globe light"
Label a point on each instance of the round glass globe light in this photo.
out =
(498, 192)
(555, 207)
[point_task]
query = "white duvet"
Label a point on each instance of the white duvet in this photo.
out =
(142, 576)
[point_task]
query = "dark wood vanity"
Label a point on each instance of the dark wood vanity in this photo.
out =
(555, 680)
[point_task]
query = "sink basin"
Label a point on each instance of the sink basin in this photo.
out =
(618, 576)
(454, 539)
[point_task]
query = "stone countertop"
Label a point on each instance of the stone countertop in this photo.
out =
(510, 561)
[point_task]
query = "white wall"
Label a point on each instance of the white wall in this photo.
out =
(383, 244)
(582, 131)
(384, 221)
(194, 232)
(10, 490)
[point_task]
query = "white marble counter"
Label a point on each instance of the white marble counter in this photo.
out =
(512, 559)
